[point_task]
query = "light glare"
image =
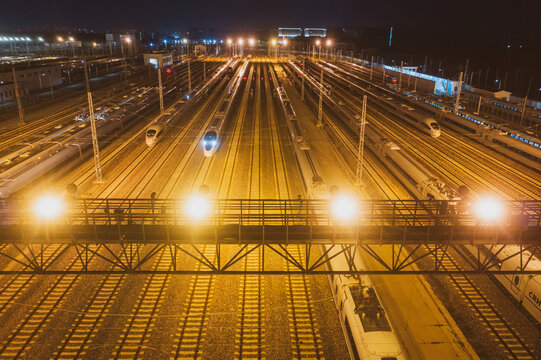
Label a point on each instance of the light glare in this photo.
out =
(489, 209)
(197, 207)
(344, 208)
(49, 207)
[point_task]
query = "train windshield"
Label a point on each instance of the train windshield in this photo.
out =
(151, 133)
(209, 140)
(435, 126)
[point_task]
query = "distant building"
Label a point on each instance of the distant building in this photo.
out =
(289, 32)
(315, 32)
(7, 92)
(34, 78)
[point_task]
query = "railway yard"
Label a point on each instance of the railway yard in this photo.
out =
(259, 127)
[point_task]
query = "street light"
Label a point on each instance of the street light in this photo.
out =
(318, 43)
(229, 41)
(273, 42)
(251, 42)
(343, 207)
(197, 207)
(284, 42)
(72, 41)
(241, 50)
(329, 42)
(49, 207)
(60, 38)
(489, 209)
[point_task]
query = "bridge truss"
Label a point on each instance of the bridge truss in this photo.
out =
(102, 236)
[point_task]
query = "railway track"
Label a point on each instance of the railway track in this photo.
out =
(303, 329)
(305, 339)
(137, 330)
(135, 337)
(466, 158)
(504, 335)
(501, 331)
(83, 330)
(21, 339)
(191, 331)
(16, 285)
(52, 121)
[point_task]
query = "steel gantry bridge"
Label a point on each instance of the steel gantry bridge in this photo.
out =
(400, 236)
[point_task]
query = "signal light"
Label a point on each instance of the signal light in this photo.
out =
(168, 71)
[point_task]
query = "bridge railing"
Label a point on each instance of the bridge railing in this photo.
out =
(271, 212)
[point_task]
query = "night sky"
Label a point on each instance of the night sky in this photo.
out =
(504, 17)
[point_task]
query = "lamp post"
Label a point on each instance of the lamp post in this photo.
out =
(457, 103)
(328, 43)
(320, 105)
(60, 40)
(72, 41)
(318, 43)
(274, 42)
(525, 101)
(17, 95)
(241, 49)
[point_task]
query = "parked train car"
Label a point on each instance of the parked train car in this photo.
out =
(369, 334)
(525, 288)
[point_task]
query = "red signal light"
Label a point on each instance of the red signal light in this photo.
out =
(168, 71)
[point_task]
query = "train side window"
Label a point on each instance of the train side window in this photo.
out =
(351, 340)
(516, 280)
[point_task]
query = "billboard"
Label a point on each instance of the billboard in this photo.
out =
(159, 60)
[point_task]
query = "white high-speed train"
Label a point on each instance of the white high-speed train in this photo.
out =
(430, 127)
(525, 288)
(157, 128)
(153, 133)
(211, 137)
(369, 334)
(426, 124)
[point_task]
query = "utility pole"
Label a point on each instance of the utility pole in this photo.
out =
(95, 146)
(478, 106)
(525, 102)
(466, 71)
(360, 152)
(458, 92)
(320, 107)
(383, 76)
(18, 96)
(189, 78)
(303, 76)
(204, 71)
(371, 67)
(160, 89)
(51, 86)
(400, 76)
